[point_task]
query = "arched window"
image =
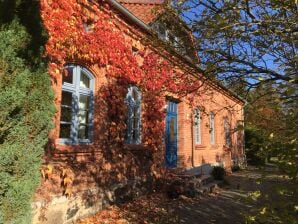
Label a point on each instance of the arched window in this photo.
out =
(197, 125)
(212, 131)
(133, 102)
(76, 120)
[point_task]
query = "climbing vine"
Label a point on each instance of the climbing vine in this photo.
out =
(90, 33)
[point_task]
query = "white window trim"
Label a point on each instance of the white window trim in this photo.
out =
(197, 125)
(212, 128)
(76, 90)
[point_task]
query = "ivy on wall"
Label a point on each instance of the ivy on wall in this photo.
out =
(91, 34)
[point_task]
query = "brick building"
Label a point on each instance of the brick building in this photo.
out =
(82, 161)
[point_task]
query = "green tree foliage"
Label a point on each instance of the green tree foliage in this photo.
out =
(26, 102)
(271, 135)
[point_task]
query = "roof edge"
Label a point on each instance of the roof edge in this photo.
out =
(145, 27)
(129, 15)
(149, 2)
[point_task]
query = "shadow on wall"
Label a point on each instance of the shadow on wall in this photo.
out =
(107, 171)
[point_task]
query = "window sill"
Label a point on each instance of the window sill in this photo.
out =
(200, 147)
(140, 150)
(70, 147)
(135, 147)
(75, 143)
(75, 149)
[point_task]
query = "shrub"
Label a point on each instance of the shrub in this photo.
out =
(218, 173)
(26, 102)
(236, 168)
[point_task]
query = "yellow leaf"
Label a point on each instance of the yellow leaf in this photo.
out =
(43, 174)
(64, 173)
(263, 211)
(67, 181)
(68, 192)
(49, 169)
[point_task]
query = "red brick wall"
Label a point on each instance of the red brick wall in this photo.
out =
(222, 106)
(100, 163)
(104, 165)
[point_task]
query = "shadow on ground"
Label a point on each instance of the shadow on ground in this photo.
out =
(227, 205)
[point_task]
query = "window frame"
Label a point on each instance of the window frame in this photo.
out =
(197, 125)
(133, 104)
(227, 132)
(77, 91)
(240, 135)
(212, 128)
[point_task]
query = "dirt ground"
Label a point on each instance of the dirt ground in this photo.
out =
(227, 205)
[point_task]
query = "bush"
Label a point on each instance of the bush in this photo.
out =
(236, 168)
(218, 173)
(26, 102)
(175, 188)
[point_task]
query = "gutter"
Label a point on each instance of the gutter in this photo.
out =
(129, 15)
(148, 29)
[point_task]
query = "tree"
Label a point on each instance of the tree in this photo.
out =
(264, 118)
(252, 45)
(246, 41)
(26, 103)
(271, 125)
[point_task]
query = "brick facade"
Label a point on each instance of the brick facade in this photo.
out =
(192, 154)
(100, 172)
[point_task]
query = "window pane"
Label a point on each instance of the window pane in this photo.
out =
(83, 131)
(134, 136)
(197, 126)
(67, 75)
(84, 81)
(65, 114)
(84, 102)
(135, 118)
(135, 95)
(83, 117)
(212, 127)
(64, 131)
(66, 98)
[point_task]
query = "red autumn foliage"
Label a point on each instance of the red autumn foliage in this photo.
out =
(90, 35)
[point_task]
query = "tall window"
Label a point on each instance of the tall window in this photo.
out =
(133, 102)
(240, 135)
(197, 124)
(212, 131)
(76, 106)
(227, 132)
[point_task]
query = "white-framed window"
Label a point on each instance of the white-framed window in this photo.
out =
(197, 125)
(227, 132)
(212, 128)
(77, 100)
(133, 102)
